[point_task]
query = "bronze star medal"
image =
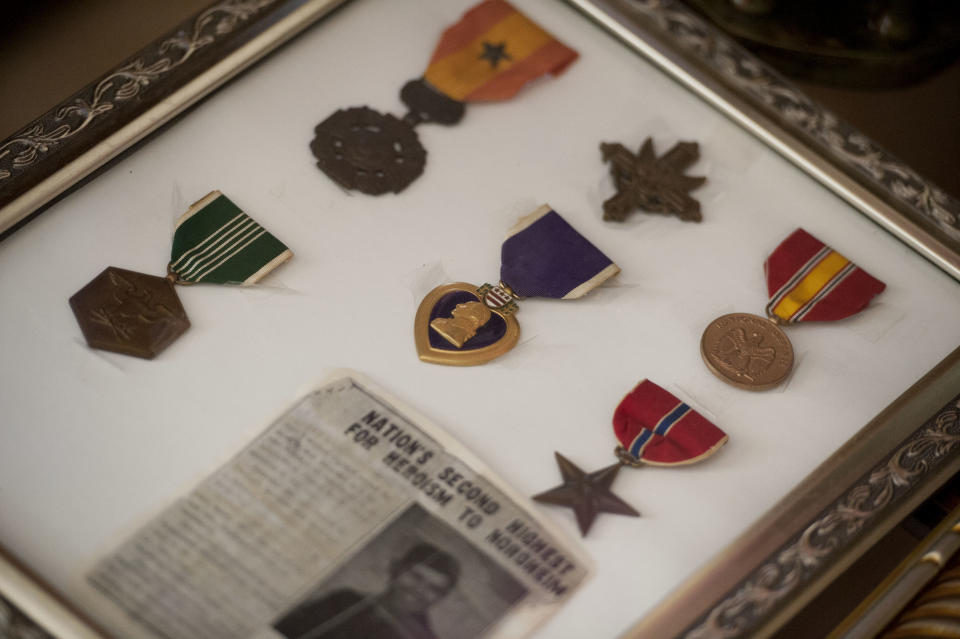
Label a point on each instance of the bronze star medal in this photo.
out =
(140, 315)
(654, 428)
(653, 184)
(588, 494)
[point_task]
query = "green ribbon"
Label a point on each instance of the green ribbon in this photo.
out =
(216, 242)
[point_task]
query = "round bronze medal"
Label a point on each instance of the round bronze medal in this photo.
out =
(371, 152)
(747, 351)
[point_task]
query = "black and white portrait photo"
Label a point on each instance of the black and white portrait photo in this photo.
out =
(416, 579)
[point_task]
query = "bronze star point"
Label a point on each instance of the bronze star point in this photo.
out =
(588, 494)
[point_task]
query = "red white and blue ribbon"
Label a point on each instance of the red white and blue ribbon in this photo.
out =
(654, 427)
(543, 256)
(809, 282)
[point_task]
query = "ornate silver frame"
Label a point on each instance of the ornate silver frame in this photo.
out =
(858, 494)
(69, 142)
(824, 524)
(897, 460)
(762, 101)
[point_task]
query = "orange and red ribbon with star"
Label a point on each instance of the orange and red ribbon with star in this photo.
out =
(492, 52)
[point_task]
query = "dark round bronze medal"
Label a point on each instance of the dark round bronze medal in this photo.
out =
(362, 149)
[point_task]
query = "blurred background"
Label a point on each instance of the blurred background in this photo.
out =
(890, 67)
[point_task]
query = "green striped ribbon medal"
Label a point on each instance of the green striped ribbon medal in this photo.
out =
(137, 314)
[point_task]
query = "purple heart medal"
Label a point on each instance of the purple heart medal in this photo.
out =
(543, 256)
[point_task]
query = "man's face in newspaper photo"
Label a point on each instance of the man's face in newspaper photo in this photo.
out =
(417, 580)
(416, 588)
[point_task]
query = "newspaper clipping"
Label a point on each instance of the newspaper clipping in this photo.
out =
(344, 519)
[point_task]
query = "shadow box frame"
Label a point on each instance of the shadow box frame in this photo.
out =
(786, 558)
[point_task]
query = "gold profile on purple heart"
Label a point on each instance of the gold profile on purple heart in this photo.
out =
(460, 324)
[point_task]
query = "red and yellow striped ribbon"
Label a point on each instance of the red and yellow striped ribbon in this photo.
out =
(809, 281)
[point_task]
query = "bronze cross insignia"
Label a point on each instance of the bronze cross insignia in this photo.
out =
(656, 185)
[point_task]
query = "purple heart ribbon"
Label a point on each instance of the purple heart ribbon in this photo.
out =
(543, 256)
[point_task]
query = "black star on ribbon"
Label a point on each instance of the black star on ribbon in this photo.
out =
(587, 493)
(494, 53)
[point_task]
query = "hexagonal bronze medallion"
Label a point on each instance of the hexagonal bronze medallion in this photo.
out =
(129, 312)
